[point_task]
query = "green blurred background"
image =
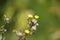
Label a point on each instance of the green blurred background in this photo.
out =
(47, 10)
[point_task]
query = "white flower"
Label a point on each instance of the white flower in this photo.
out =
(7, 19)
(5, 30)
(19, 34)
(33, 27)
(34, 20)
